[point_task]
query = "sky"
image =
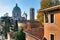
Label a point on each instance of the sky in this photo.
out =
(6, 6)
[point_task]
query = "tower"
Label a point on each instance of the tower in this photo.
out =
(24, 15)
(32, 13)
(16, 13)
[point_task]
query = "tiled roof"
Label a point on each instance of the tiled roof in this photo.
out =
(38, 33)
(32, 23)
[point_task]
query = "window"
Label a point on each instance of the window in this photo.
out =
(46, 18)
(52, 18)
(52, 37)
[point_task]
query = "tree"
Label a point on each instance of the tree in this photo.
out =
(40, 18)
(40, 15)
(45, 4)
(57, 2)
(19, 35)
(48, 3)
(54, 2)
(7, 25)
(16, 26)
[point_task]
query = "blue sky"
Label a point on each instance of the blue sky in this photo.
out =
(25, 5)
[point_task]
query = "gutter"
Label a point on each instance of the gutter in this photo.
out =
(32, 36)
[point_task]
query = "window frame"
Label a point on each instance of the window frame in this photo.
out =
(45, 18)
(52, 34)
(50, 18)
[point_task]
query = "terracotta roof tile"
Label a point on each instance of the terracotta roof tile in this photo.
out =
(38, 33)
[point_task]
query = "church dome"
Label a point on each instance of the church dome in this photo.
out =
(16, 13)
(16, 8)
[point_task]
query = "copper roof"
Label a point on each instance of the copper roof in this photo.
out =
(51, 8)
(38, 33)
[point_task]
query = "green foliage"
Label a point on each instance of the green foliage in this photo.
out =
(40, 18)
(45, 4)
(7, 25)
(16, 26)
(40, 15)
(48, 3)
(20, 35)
(54, 2)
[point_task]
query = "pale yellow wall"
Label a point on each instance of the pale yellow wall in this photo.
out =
(23, 25)
(53, 28)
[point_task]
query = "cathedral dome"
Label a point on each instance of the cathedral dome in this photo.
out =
(16, 13)
(16, 8)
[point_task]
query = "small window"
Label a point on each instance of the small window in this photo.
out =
(46, 18)
(52, 18)
(52, 37)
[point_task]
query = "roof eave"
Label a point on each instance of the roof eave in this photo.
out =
(51, 8)
(32, 35)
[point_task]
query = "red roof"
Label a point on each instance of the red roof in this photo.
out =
(38, 33)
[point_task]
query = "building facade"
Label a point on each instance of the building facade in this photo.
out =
(52, 23)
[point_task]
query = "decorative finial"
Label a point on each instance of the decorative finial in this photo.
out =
(24, 11)
(16, 4)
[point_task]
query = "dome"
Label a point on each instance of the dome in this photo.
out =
(16, 8)
(16, 12)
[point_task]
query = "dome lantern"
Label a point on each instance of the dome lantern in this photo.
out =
(16, 4)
